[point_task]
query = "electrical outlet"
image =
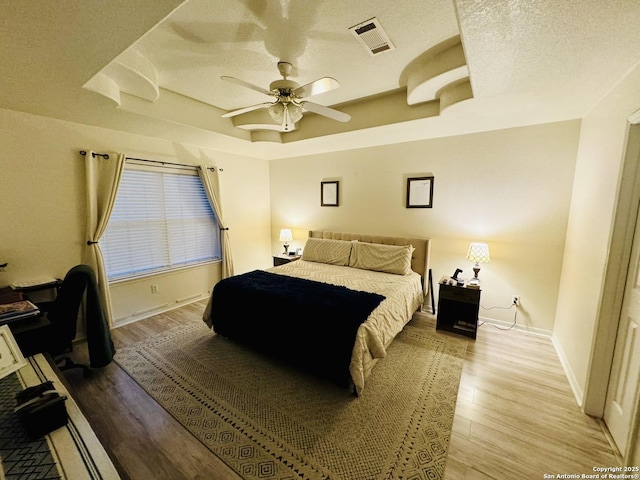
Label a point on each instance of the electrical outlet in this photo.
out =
(154, 288)
(515, 300)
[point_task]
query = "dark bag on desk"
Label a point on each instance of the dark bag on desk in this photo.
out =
(41, 409)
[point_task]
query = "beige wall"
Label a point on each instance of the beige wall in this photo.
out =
(42, 197)
(509, 188)
(587, 315)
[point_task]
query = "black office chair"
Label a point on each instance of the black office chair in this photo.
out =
(63, 315)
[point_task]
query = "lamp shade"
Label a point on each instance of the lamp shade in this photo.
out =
(285, 235)
(478, 253)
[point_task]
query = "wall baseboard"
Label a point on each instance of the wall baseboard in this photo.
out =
(520, 327)
(120, 322)
(573, 382)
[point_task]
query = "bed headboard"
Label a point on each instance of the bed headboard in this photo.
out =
(419, 260)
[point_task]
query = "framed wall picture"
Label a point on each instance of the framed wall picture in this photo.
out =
(329, 194)
(420, 192)
(11, 358)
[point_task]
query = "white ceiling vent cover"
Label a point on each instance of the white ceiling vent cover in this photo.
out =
(372, 36)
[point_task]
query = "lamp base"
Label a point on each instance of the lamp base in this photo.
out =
(475, 280)
(286, 248)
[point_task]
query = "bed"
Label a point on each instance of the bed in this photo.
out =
(335, 311)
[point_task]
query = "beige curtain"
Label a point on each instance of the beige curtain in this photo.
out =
(209, 177)
(103, 179)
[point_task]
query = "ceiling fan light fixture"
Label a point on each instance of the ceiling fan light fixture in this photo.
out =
(295, 111)
(276, 111)
(286, 114)
(289, 99)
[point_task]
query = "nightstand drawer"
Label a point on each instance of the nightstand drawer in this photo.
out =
(459, 294)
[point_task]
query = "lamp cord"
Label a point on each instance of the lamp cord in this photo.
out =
(515, 317)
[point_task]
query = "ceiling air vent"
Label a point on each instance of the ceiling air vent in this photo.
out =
(372, 36)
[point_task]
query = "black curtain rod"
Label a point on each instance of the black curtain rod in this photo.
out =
(161, 162)
(106, 157)
(94, 154)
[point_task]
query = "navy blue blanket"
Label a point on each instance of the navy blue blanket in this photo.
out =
(310, 324)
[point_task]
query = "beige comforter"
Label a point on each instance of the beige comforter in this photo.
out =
(403, 297)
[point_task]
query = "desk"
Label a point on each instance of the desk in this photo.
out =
(33, 334)
(73, 449)
(9, 295)
(39, 292)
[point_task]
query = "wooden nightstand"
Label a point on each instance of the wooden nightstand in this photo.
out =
(458, 308)
(282, 259)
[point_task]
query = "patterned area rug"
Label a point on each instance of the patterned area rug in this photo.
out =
(269, 420)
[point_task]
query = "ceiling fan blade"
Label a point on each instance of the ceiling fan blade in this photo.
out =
(240, 111)
(242, 83)
(267, 126)
(326, 111)
(322, 85)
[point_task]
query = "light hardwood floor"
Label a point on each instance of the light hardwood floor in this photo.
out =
(515, 417)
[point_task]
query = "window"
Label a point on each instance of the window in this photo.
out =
(161, 220)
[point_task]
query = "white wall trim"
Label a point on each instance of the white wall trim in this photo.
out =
(150, 312)
(520, 327)
(566, 366)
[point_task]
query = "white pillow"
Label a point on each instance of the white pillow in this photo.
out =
(324, 250)
(382, 258)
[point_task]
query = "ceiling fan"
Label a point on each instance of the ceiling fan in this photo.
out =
(289, 103)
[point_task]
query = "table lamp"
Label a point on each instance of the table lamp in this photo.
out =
(478, 253)
(286, 236)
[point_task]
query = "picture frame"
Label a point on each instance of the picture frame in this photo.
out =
(330, 194)
(420, 192)
(11, 358)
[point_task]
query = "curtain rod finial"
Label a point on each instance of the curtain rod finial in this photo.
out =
(94, 155)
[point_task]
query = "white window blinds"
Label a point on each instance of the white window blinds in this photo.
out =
(160, 221)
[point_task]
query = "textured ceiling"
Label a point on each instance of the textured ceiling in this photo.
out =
(568, 52)
(528, 61)
(205, 39)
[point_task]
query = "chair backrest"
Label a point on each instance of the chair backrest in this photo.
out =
(64, 312)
